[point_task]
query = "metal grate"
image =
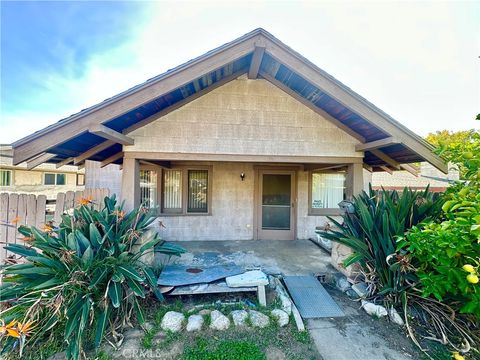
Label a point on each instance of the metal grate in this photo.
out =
(310, 297)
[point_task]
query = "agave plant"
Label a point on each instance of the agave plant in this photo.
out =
(372, 230)
(86, 275)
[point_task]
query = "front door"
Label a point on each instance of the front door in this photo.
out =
(275, 205)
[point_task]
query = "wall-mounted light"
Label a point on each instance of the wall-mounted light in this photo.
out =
(242, 176)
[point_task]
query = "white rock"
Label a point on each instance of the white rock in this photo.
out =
(239, 317)
(219, 321)
(172, 321)
(286, 303)
(258, 319)
(395, 316)
(281, 316)
(204, 312)
(249, 278)
(195, 323)
(374, 310)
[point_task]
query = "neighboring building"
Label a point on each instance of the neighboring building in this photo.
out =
(44, 179)
(248, 141)
(427, 175)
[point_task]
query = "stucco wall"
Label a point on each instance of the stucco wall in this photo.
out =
(245, 117)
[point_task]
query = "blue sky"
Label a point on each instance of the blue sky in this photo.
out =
(418, 61)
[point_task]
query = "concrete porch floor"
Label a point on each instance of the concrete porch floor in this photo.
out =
(297, 257)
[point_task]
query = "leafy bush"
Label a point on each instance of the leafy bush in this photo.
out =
(381, 217)
(85, 276)
(441, 249)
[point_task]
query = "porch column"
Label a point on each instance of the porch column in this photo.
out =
(354, 186)
(354, 180)
(130, 183)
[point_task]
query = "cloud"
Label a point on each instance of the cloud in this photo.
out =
(416, 61)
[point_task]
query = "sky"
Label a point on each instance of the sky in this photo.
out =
(417, 61)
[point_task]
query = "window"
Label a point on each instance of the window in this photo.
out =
(80, 179)
(148, 188)
(54, 179)
(326, 191)
(5, 177)
(197, 191)
(186, 191)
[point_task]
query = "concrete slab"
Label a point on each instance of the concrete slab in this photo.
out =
(297, 257)
(353, 342)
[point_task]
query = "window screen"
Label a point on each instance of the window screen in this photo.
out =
(148, 188)
(49, 179)
(172, 190)
(61, 179)
(5, 178)
(197, 191)
(328, 189)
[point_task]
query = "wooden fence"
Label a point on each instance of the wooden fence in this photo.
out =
(36, 210)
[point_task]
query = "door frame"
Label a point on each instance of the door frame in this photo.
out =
(257, 201)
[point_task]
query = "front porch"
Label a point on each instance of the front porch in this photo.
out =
(298, 257)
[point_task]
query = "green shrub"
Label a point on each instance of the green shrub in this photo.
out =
(86, 274)
(440, 249)
(371, 231)
(225, 350)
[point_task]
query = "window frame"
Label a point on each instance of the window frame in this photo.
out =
(56, 179)
(78, 176)
(325, 211)
(11, 177)
(184, 186)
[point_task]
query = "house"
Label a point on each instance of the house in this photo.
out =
(38, 179)
(248, 141)
(427, 176)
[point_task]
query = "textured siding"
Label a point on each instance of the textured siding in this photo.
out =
(109, 177)
(245, 117)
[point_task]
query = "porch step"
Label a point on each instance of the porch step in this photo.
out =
(311, 298)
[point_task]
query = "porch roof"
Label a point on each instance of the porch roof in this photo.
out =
(98, 132)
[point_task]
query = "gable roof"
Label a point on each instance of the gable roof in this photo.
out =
(77, 138)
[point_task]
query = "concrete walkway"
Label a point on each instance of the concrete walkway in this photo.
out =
(356, 336)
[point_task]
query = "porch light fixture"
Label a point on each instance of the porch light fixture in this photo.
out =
(242, 176)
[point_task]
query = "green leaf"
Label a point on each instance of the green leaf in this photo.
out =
(72, 321)
(115, 293)
(95, 237)
(21, 250)
(138, 312)
(136, 287)
(150, 244)
(49, 283)
(102, 321)
(98, 276)
(87, 257)
(130, 272)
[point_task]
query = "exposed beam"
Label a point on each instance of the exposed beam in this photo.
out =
(313, 107)
(110, 134)
(368, 167)
(111, 159)
(81, 166)
(256, 62)
(180, 103)
(321, 167)
(79, 123)
(63, 162)
(410, 169)
(162, 164)
(39, 160)
(93, 151)
(387, 169)
(377, 144)
(382, 156)
(168, 156)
